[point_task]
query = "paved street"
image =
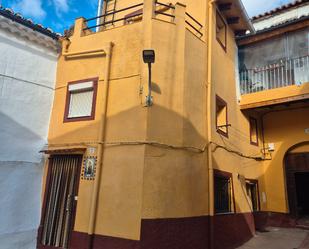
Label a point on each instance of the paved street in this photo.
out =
(279, 238)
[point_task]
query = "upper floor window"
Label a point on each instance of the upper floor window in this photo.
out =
(81, 100)
(254, 135)
(221, 116)
(223, 192)
(221, 30)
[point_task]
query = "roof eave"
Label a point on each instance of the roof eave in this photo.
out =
(236, 16)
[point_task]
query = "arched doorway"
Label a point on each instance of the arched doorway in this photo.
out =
(297, 179)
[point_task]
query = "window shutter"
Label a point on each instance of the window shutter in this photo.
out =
(80, 104)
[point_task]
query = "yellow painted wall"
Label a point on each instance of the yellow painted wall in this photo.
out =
(285, 129)
(139, 181)
(175, 181)
(145, 181)
(224, 85)
(120, 194)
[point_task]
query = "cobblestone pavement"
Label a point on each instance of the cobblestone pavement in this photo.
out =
(279, 238)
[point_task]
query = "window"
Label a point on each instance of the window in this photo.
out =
(81, 100)
(253, 194)
(254, 136)
(221, 30)
(223, 187)
(221, 117)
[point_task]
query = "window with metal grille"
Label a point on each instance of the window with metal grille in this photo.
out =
(253, 194)
(223, 193)
(81, 100)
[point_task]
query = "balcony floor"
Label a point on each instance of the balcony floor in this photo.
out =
(276, 96)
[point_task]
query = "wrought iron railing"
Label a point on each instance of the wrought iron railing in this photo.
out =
(124, 16)
(166, 10)
(280, 74)
(194, 25)
(135, 12)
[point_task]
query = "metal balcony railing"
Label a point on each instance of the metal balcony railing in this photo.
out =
(133, 13)
(194, 25)
(280, 74)
(122, 15)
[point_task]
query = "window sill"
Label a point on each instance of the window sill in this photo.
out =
(225, 134)
(87, 118)
(221, 214)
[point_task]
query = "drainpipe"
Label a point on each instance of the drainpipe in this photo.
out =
(96, 188)
(209, 122)
(100, 6)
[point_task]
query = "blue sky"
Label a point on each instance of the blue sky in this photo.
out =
(60, 14)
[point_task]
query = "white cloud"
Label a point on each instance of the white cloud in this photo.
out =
(31, 8)
(61, 6)
(255, 7)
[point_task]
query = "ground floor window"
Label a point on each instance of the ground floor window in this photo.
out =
(223, 190)
(252, 190)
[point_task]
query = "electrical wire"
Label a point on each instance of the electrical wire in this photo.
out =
(218, 146)
(168, 146)
(158, 144)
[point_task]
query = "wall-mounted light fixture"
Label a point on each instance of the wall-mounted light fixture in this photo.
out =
(149, 58)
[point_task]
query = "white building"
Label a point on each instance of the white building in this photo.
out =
(294, 11)
(27, 78)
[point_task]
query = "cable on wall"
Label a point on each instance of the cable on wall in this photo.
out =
(218, 146)
(168, 146)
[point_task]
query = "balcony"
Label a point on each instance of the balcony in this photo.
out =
(274, 71)
(280, 74)
(129, 14)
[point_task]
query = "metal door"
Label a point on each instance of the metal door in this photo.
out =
(59, 206)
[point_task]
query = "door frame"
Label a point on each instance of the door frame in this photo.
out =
(290, 170)
(44, 203)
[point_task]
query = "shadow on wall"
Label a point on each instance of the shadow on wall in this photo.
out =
(18, 143)
(286, 130)
(20, 185)
(156, 184)
(231, 230)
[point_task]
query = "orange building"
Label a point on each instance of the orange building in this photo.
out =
(185, 160)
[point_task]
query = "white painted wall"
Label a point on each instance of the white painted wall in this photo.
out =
(27, 79)
(283, 17)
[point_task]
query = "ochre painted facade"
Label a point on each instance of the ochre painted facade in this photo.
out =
(154, 182)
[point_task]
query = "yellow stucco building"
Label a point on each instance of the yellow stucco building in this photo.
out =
(200, 167)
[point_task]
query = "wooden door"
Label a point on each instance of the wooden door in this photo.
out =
(295, 163)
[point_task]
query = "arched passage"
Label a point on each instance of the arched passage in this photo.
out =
(297, 179)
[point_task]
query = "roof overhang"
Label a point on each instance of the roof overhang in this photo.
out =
(236, 16)
(289, 26)
(64, 150)
(30, 34)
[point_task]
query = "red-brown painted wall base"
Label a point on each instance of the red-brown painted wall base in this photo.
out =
(229, 232)
(84, 241)
(232, 230)
(80, 240)
(266, 219)
(181, 233)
